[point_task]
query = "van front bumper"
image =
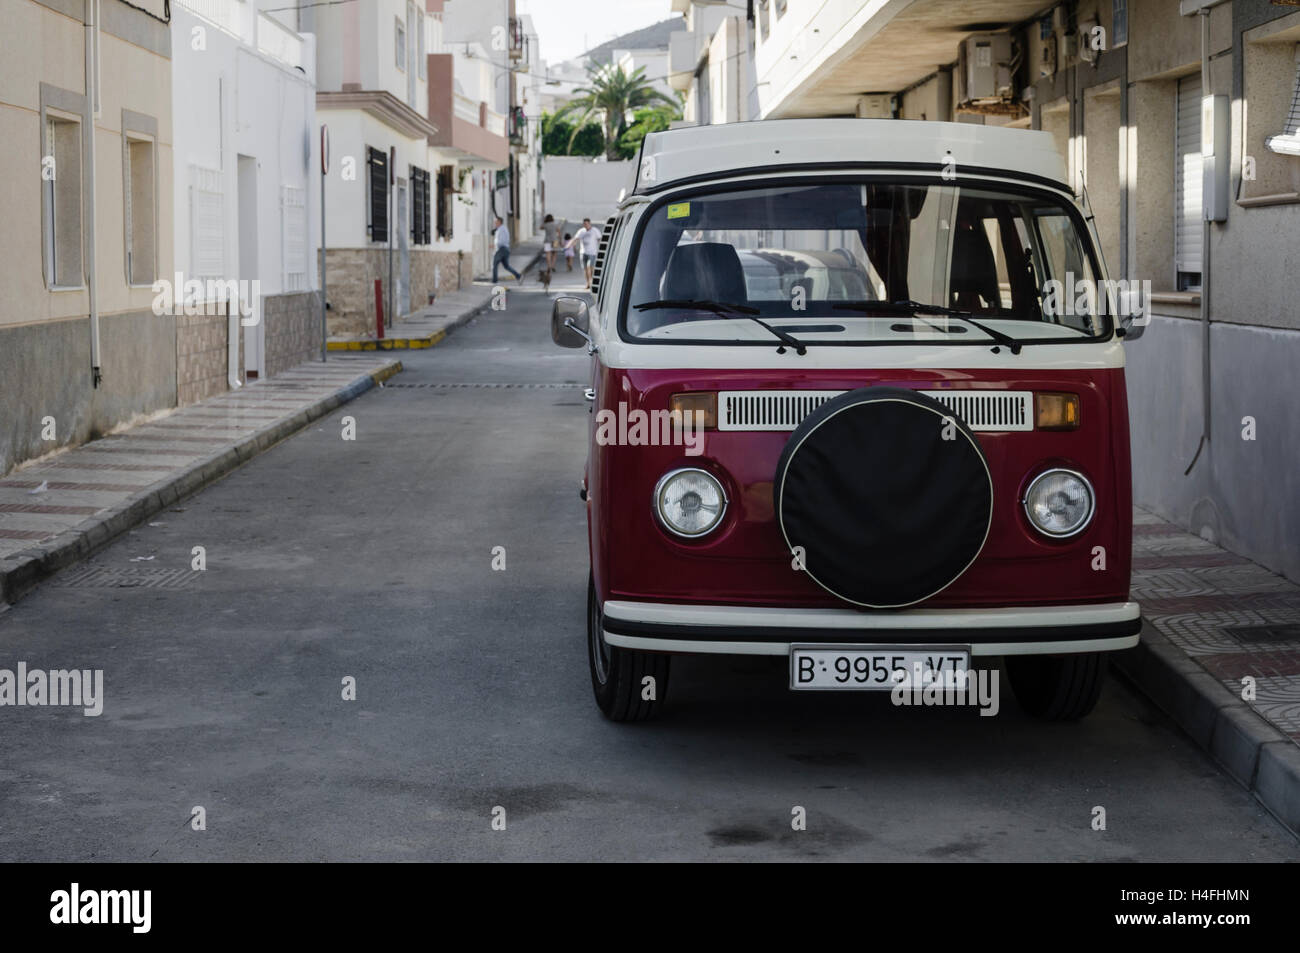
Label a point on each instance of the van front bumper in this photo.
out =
(745, 630)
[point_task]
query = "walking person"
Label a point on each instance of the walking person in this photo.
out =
(588, 239)
(550, 240)
(568, 252)
(502, 256)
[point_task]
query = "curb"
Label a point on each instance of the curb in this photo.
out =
(1253, 752)
(22, 571)
(427, 340)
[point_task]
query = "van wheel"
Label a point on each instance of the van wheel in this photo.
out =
(618, 676)
(1057, 687)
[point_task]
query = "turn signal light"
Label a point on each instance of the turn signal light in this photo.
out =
(702, 401)
(1056, 411)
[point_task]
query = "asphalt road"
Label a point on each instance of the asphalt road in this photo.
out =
(372, 559)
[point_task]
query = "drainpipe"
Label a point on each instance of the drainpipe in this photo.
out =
(1205, 242)
(232, 344)
(233, 362)
(91, 21)
(1203, 12)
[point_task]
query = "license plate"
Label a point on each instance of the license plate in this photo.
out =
(872, 667)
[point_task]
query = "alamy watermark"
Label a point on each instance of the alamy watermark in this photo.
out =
(928, 686)
(1117, 296)
(75, 688)
(211, 296)
(651, 428)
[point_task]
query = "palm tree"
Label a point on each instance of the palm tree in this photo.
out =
(614, 93)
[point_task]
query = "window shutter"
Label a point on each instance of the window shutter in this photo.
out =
(429, 209)
(1187, 178)
(445, 197)
(293, 218)
(378, 164)
(419, 186)
(207, 220)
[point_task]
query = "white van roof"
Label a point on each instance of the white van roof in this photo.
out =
(696, 152)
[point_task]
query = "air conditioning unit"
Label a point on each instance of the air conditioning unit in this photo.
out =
(1086, 52)
(984, 68)
(1047, 59)
(875, 106)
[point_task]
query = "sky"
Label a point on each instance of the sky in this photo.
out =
(566, 28)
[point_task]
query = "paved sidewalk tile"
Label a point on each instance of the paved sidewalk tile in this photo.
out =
(68, 490)
(1233, 618)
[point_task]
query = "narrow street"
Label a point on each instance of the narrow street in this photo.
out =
(373, 559)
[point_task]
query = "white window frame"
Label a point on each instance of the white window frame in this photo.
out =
(50, 208)
(138, 128)
(399, 40)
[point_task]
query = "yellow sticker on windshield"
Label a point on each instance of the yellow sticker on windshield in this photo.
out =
(680, 210)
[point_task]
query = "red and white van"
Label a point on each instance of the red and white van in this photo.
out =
(842, 414)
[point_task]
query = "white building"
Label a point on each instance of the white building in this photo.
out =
(246, 186)
(390, 196)
(511, 47)
(653, 61)
(461, 91)
(711, 62)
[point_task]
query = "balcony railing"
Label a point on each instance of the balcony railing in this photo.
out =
(494, 122)
(465, 108)
(517, 44)
(232, 16)
(279, 42)
(271, 37)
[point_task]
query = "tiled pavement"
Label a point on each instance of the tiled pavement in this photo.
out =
(1230, 616)
(64, 495)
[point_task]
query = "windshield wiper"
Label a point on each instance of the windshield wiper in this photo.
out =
(920, 307)
(726, 309)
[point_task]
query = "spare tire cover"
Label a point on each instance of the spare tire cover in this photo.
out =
(887, 492)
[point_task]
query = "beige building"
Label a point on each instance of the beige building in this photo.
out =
(86, 152)
(1127, 87)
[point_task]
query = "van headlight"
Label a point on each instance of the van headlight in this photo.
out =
(689, 502)
(1060, 503)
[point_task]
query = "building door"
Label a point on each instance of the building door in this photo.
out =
(402, 300)
(1188, 229)
(252, 326)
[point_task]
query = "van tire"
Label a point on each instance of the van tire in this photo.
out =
(1057, 687)
(618, 675)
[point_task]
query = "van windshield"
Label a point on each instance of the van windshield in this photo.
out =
(874, 263)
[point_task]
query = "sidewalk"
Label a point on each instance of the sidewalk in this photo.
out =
(62, 508)
(429, 325)
(1215, 619)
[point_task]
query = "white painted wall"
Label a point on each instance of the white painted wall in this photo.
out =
(474, 21)
(577, 187)
(351, 132)
(228, 100)
(805, 38)
(654, 62)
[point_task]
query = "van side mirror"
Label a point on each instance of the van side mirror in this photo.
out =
(1132, 326)
(1131, 305)
(1133, 319)
(570, 322)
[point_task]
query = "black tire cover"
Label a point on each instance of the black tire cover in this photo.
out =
(888, 493)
